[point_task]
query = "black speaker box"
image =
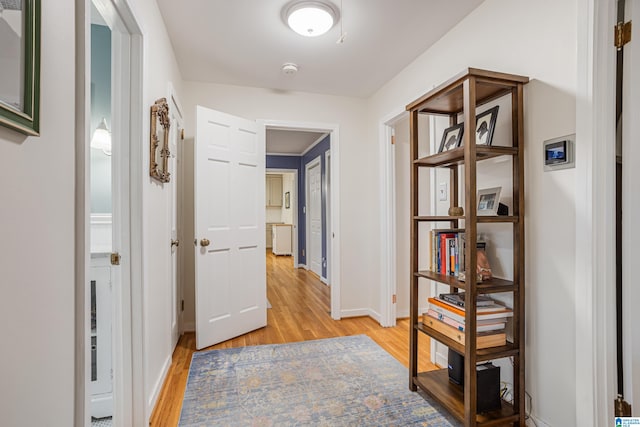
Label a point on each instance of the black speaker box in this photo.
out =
(488, 381)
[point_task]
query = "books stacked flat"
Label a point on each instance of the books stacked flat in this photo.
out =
(447, 315)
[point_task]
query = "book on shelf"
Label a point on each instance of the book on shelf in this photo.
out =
(483, 339)
(447, 251)
(458, 299)
(481, 326)
(495, 311)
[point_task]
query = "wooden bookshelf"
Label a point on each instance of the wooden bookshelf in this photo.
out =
(460, 96)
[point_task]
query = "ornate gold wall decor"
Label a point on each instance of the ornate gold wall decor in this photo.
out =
(159, 158)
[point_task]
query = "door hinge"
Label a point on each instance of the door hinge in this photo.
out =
(622, 34)
(115, 258)
(182, 133)
(394, 298)
(182, 305)
(393, 140)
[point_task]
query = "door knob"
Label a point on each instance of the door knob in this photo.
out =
(175, 242)
(204, 242)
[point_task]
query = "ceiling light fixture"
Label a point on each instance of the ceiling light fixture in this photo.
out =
(310, 18)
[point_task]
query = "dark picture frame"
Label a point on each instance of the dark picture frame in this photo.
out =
(22, 113)
(451, 138)
(485, 125)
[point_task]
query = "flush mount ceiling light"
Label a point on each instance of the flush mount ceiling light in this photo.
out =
(310, 18)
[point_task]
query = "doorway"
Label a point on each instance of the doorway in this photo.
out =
(313, 209)
(108, 245)
(279, 159)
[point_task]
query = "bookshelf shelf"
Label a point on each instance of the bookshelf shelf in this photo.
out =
(458, 98)
(437, 385)
(456, 156)
(490, 286)
(484, 354)
(480, 219)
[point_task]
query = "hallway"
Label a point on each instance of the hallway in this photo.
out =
(300, 312)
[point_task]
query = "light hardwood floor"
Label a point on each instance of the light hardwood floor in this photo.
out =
(300, 311)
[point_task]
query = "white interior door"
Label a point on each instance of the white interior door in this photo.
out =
(631, 208)
(314, 214)
(176, 294)
(230, 257)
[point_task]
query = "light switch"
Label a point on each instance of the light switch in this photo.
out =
(442, 192)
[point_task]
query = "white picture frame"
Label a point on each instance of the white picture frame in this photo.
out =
(488, 201)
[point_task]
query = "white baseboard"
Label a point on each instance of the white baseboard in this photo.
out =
(189, 327)
(404, 314)
(359, 312)
(324, 280)
(301, 266)
(157, 388)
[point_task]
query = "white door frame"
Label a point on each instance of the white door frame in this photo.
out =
(175, 107)
(127, 54)
(327, 167)
(334, 142)
(294, 232)
(316, 162)
(595, 226)
(388, 262)
(631, 207)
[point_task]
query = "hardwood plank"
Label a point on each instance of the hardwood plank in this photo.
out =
(300, 311)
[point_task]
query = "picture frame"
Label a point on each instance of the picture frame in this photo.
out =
(287, 200)
(485, 125)
(488, 201)
(451, 138)
(159, 141)
(20, 67)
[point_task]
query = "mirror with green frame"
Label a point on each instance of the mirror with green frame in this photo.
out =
(20, 65)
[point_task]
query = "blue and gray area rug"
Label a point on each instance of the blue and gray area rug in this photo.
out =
(347, 381)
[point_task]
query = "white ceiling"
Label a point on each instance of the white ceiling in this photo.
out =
(245, 42)
(290, 141)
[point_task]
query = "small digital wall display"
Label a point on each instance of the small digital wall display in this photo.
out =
(558, 153)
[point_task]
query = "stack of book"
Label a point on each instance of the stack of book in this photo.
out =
(446, 251)
(447, 315)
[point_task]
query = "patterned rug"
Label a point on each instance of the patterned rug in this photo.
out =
(347, 381)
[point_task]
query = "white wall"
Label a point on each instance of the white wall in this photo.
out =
(160, 68)
(537, 40)
(358, 215)
(37, 252)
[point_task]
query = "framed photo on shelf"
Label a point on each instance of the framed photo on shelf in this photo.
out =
(488, 201)
(451, 138)
(485, 124)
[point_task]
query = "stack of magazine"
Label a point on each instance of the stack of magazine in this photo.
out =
(447, 315)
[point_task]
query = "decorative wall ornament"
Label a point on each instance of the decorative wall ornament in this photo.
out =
(159, 144)
(20, 66)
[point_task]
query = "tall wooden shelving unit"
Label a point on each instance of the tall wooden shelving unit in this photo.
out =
(462, 95)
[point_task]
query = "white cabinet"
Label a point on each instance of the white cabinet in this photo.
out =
(282, 234)
(273, 195)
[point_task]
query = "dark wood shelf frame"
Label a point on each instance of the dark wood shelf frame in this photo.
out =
(494, 285)
(437, 385)
(480, 219)
(462, 95)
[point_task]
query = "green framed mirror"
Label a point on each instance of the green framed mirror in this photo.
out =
(20, 65)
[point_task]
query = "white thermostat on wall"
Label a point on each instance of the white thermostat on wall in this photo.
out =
(559, 153)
